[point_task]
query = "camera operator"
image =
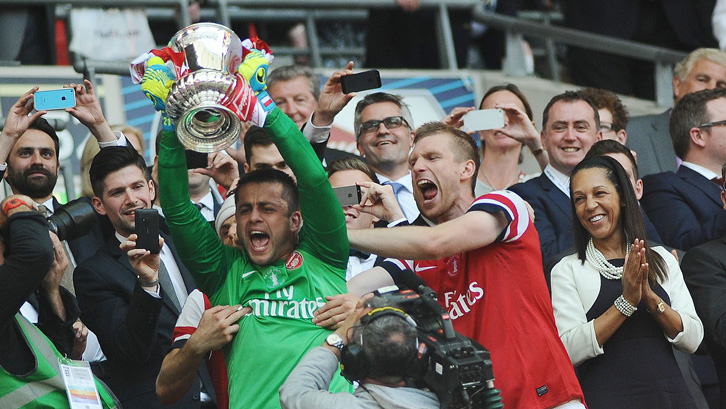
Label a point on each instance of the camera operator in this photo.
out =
(28, 359)
(379, 346)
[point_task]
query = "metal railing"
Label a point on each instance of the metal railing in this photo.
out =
(310, 11)
(515, 28)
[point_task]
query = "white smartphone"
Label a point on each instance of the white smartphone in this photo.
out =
(483, 119)
(54, 99)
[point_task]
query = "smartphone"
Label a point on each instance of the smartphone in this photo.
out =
(361, 81)
(147, 230)
(196, 159)
(483, 119)
(55, 99)
(348, 195)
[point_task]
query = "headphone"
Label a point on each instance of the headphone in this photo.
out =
(354, 365)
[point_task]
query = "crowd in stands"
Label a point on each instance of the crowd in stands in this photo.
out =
(595, 283)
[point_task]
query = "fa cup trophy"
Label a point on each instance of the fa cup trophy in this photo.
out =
(214, 73)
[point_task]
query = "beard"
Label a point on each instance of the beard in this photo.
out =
(35, 187)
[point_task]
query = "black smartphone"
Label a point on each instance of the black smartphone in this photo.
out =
(361, 81)
(147, 230)
(348, 195)
(196, 159)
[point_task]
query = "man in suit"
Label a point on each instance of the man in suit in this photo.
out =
(296, 91)
(384, 132)
(571, 125)
(133, 312)
(649, 136)
(685, 206)
(704, 269)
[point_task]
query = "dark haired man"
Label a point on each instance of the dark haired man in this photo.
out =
(387, 341)
(613, 115)
(133, 315)
(685, 206)
(481, 257)
(705, 275)
(570, 125)
(261, 152)
(384, 132)
(30, 146)
(285, 270)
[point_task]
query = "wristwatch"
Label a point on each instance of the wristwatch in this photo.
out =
(334, 340)
(660, 308)
(13, 203)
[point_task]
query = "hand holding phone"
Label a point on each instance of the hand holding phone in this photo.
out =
(54, 99)
(147, 230)
(348, 195)
(483, 119)
(361, 81)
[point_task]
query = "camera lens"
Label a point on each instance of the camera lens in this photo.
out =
(73, 220)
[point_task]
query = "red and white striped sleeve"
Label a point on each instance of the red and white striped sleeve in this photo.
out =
(514, 209)
(189, 318)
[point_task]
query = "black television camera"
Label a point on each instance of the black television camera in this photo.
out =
(459, 369)
(72, 220)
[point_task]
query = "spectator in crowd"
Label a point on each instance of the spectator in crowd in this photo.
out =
(466, 257)
(570, 125)
(613, 114)
(384, 132)
(690, 194)
(501, 149)
(296, 91)
(704, 272)
(385, 343)
(132, 134)
(678, 25)
(350, 172)
(30, 146)
(624, 156)
(285, 270)
(226, 223)
(649, 135)
(261, 153)
(29, 360)
(131, 301)
(614, 302)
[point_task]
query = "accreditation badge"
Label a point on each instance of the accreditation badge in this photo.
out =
(80, 384)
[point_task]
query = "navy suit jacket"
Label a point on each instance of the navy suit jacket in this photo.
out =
(133, 327)
(685, 208)
(704, 270)
(552, 214)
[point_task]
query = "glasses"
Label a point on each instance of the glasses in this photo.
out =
(607, 127)
(710, 124)
(392, 122)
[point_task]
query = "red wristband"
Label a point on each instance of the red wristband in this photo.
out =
(13, 203)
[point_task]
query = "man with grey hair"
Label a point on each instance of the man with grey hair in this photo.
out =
(296, 91)
(384, 133)
(648, 136)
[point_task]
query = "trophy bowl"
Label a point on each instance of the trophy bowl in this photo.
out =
(212, 53)
(208, 46)
(196, 103)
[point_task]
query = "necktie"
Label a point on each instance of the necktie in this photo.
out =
(168, 287)
(199, 206)
(67, 280)
(397, 188)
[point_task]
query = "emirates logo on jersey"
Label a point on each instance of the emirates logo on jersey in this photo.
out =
(294, 261)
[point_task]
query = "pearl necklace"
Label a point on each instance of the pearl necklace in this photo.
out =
(598, 261)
